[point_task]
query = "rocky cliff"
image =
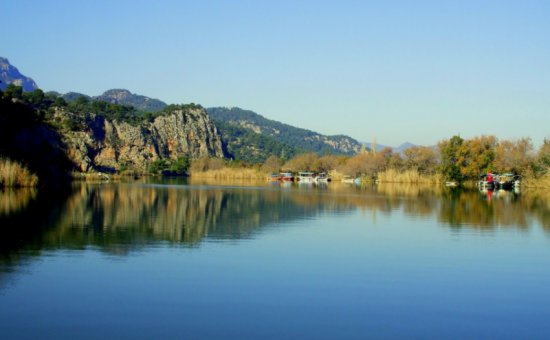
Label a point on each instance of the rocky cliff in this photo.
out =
(95, 143)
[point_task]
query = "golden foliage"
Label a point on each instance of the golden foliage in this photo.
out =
(514, 156)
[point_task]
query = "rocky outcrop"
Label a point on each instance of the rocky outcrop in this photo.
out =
(97, 144)
(9, 74)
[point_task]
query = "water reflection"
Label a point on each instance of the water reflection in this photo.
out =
(122, 217)
(15, 200)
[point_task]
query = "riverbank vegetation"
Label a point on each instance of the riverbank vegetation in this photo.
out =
(452, 160)
(13, 174)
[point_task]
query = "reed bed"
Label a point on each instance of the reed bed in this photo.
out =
(408, 176)
(13, 174)
(230, 173)
(540, 182)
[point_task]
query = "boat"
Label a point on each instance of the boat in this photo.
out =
(322, 177)
(287, 176)
(486, 182)
(507, 181)
(306, 177)
(275, 177)
(348, 179)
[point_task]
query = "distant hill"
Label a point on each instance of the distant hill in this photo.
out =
(125, 97)
(252, 137)
(72, 96)
(9, 74)
(403, 147)
(121, 97)
(379, 147)
(397, 149)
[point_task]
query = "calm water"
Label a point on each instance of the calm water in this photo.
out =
(199, 260)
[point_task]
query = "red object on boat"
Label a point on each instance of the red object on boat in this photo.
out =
(489, 177)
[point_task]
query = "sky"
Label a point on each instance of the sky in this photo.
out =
(394, 71)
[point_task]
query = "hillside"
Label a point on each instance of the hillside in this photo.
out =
(243, 130)
(54, 137)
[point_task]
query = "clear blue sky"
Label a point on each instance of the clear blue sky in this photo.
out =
(417, 71)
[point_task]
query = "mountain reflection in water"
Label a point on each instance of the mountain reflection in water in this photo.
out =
(203, 260)
(120, 217)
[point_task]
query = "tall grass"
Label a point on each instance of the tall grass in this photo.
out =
(407, 176)
(13, 174)
(539, 182)
(229, 173)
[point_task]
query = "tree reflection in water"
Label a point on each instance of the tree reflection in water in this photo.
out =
(121, 217)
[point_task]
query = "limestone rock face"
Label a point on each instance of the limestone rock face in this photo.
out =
(98, 144)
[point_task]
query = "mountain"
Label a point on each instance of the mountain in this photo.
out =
(125, 97)
(403, 147)
(252, 137)
(9, 74)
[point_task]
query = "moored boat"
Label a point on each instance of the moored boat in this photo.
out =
(507, 181)
(348, 179)
(306, 177)
(287, 176)
(275, 177)
(322, 177)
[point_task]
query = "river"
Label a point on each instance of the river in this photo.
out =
(192, 259)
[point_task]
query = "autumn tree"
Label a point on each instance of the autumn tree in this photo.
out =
(543, 156)
(476, 155)
(272, 164)
(421, 158)
(366, 163)
(394, 160)
(302, 162)
(514, 156)
(355, 166)
(329, 162)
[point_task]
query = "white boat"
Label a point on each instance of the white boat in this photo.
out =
(287, 176)
(351, 180)
(322, 177)
(306, 177)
